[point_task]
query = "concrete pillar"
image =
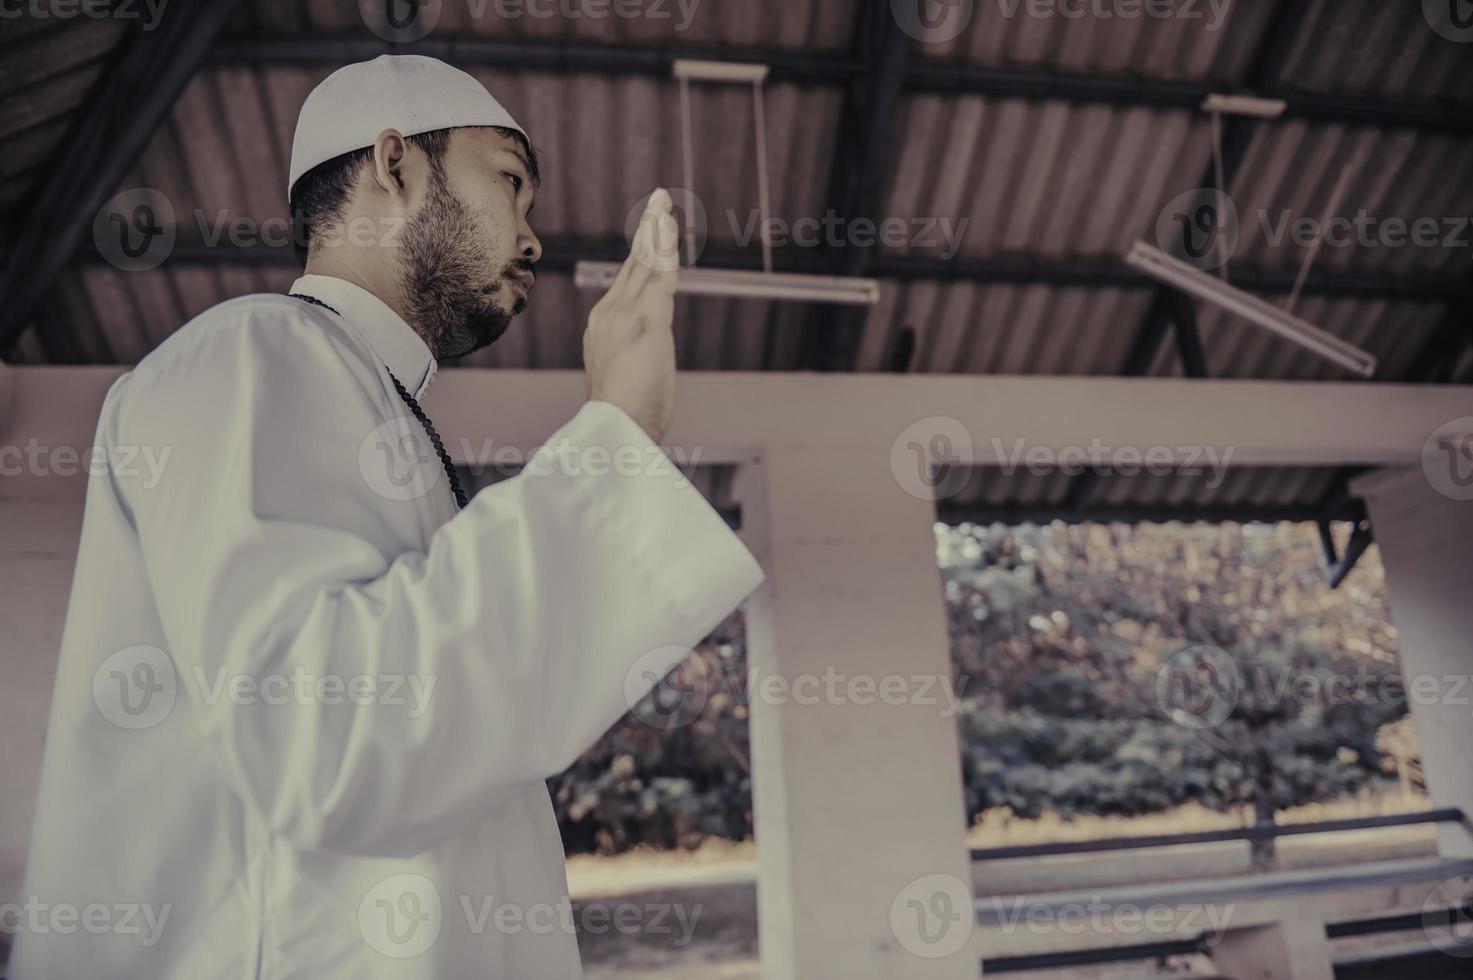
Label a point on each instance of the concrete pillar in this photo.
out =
(862, 865)
(1425, 538)
(1292, 947)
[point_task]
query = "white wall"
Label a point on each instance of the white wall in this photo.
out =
(41, 495)
(38, 544)
(853, 584)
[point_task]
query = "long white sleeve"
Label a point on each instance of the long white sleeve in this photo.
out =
(525, 612)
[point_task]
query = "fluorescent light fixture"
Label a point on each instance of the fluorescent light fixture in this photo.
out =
(767, 284)
(695, 281)
(1245, 105)
(719, 71)
(1189, 279)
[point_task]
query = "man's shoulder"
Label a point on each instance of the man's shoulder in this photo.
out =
(258, 346)
(266, 330)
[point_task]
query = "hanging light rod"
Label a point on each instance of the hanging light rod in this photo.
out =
(736, 72)
(1245, 105)
(1189, 279)
(740, 284)
(787, 286)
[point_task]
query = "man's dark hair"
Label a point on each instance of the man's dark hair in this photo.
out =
(319, 195)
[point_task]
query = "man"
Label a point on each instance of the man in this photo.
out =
(306, 700)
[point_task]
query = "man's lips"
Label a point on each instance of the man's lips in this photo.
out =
(526, 280)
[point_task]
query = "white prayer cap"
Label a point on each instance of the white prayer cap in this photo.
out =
(407, 92)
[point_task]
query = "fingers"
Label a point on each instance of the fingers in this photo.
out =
(655, 248)
(665, 237)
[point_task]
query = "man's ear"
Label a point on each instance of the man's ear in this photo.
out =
(390, 157)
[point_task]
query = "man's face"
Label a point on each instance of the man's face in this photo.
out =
(467, 252)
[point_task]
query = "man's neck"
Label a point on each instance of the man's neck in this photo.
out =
(341, 265)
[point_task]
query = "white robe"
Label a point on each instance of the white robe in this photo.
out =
(231, 788)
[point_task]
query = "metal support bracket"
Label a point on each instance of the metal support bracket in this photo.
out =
(1337, 568)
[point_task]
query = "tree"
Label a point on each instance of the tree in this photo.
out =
(1127, 669)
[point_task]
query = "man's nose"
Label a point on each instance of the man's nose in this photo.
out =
(530, 247)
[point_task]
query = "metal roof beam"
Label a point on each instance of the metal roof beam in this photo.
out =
(857, 181)
(961, 79)
(1188, 339)
(838, 69)
(1353, 510)
(127, 103)
(527, 54)
(1452, 336)
(560, 254)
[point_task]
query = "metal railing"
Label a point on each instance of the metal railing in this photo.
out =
(1198, 945)
(1259, 831)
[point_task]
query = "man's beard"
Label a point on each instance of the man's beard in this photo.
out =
(444, 259)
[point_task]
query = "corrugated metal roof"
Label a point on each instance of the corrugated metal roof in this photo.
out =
(1195, 40)
(1381, 49)
(47, 67)
(819, 25)
(1243, 491)
(977, 176)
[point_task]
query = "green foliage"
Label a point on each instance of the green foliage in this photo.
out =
(1058, 634)
(1064, 631)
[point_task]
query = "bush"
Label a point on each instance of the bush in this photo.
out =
(1057, 634)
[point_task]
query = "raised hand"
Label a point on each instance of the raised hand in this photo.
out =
(629, 346)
